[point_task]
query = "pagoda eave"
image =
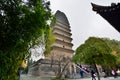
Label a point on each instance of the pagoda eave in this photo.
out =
(63, 42)
(63, 36)
(110, 13)
(63, 49)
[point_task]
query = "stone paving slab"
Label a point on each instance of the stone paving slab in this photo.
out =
(27, 77)
(108, 78)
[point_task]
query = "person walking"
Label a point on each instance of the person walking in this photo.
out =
(93, 74)
(114, 73)
(82, 73)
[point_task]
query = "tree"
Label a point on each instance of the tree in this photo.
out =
(115, 46)
(95, 51)
(50, 39)
(21, 25)
(60, 65)
(39, 51)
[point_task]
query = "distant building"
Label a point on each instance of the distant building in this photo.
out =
(62, 45)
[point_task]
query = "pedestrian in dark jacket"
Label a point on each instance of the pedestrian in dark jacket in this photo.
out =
(93, 75)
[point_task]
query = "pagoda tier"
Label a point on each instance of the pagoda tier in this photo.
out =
(63, 36)
(61, 26)
(61, 18)
(64, 43)
(62, 49)
(66, 32)
(110, 13)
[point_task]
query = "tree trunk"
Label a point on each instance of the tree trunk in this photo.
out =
(59, 75)
(97, 71)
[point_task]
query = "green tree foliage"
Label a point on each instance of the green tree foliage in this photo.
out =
(94, 49)
(50, 38)
(115, 46)
(21, 24)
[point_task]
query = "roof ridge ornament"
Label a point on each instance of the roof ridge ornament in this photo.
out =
(113, 4)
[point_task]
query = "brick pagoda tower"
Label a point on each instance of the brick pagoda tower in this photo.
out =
(62, 45)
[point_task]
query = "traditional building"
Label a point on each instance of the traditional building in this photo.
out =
(61, 29)
(61, 53)
(110, 13)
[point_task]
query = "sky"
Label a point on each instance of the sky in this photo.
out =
(83, 21)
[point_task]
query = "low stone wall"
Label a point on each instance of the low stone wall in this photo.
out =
(48, 68)
(42, 68)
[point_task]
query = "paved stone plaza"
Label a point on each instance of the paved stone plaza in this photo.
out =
(27, 77)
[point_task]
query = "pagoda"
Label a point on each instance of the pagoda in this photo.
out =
(61, 29)
(61, 51)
